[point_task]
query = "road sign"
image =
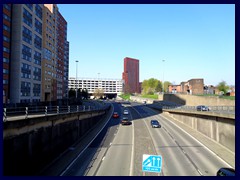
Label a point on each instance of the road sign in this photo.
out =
(152, 163)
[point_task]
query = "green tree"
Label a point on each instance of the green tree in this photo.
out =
(151, 86)
(222, 86)
(166, 84)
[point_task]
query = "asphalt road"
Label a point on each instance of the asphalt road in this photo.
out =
(119, 149)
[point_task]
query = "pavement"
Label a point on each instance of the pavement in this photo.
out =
(221, 151)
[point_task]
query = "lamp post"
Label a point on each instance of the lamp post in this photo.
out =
(76, 77)
(163, 75)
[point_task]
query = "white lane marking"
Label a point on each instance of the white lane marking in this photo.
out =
(110, 144)
(199, 172)
(132, 154)
(87, 145)
(103, 158)
(199, 142)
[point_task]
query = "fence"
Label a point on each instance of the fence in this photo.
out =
(25, 112)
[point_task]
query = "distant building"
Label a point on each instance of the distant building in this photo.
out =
(192, 86)
(131, 75)
(195, 86)
(174, 89)
(109, 86)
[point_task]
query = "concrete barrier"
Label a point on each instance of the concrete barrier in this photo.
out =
(28, 145)
(219, 127)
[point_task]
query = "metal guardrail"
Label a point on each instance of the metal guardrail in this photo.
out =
(212, 108)
(50, 110)
(217, 109)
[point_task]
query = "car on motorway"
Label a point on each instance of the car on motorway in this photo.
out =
(125, 121)
(115, 115)
(155, 124)
(202, 108)
(125, 112)
(226, 172)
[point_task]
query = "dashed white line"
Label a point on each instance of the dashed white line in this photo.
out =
(103, 158)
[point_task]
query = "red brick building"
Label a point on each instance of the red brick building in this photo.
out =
(131, 75)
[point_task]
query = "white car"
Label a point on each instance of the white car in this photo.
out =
(125, 111)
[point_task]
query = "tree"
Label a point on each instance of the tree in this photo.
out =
(222, 86)
(151, 86)
(166, 84)
(71, 93)
(98, 93)
(85, 93)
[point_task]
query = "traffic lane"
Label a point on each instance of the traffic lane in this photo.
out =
(94, 153)
(207, 162)
(117, 161)
(174, 162)
(142, 143)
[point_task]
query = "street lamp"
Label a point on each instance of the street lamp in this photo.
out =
(76, 78)
(163, 75)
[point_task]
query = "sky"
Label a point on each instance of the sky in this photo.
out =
(173, 42)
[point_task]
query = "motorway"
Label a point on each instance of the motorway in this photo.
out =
(118, 150)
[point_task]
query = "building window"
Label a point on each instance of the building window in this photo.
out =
(25, 71)
(26, 53)
(6, 17)
(6, 60)
(30, 6)
(36, 89)
(6, 39)
(5, 49)
(37, 74)
(25, 88)
(37, 58)
(38, 11)
(27, 17)
(37, 42)
(27, 35)
(5, 71)
(5, 81)
(7, 28)
(7, 6)
(38, 26)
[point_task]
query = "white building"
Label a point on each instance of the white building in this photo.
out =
(110, 86)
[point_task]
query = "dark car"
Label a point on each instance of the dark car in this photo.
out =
(226, 172)
(125, 121)
(155, 124)
(203, 108)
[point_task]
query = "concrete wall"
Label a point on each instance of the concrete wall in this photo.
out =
(220, 129)
(29, 145)
(191, 100)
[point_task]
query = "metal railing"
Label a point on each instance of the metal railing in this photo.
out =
(216, 109)
(25, 112)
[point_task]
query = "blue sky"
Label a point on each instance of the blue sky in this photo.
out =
(196, 41)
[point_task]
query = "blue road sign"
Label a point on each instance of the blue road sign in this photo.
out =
(152, 163)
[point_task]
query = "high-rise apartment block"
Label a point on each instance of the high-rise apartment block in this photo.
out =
(36, 51)
(7, 11)
(131, 75)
